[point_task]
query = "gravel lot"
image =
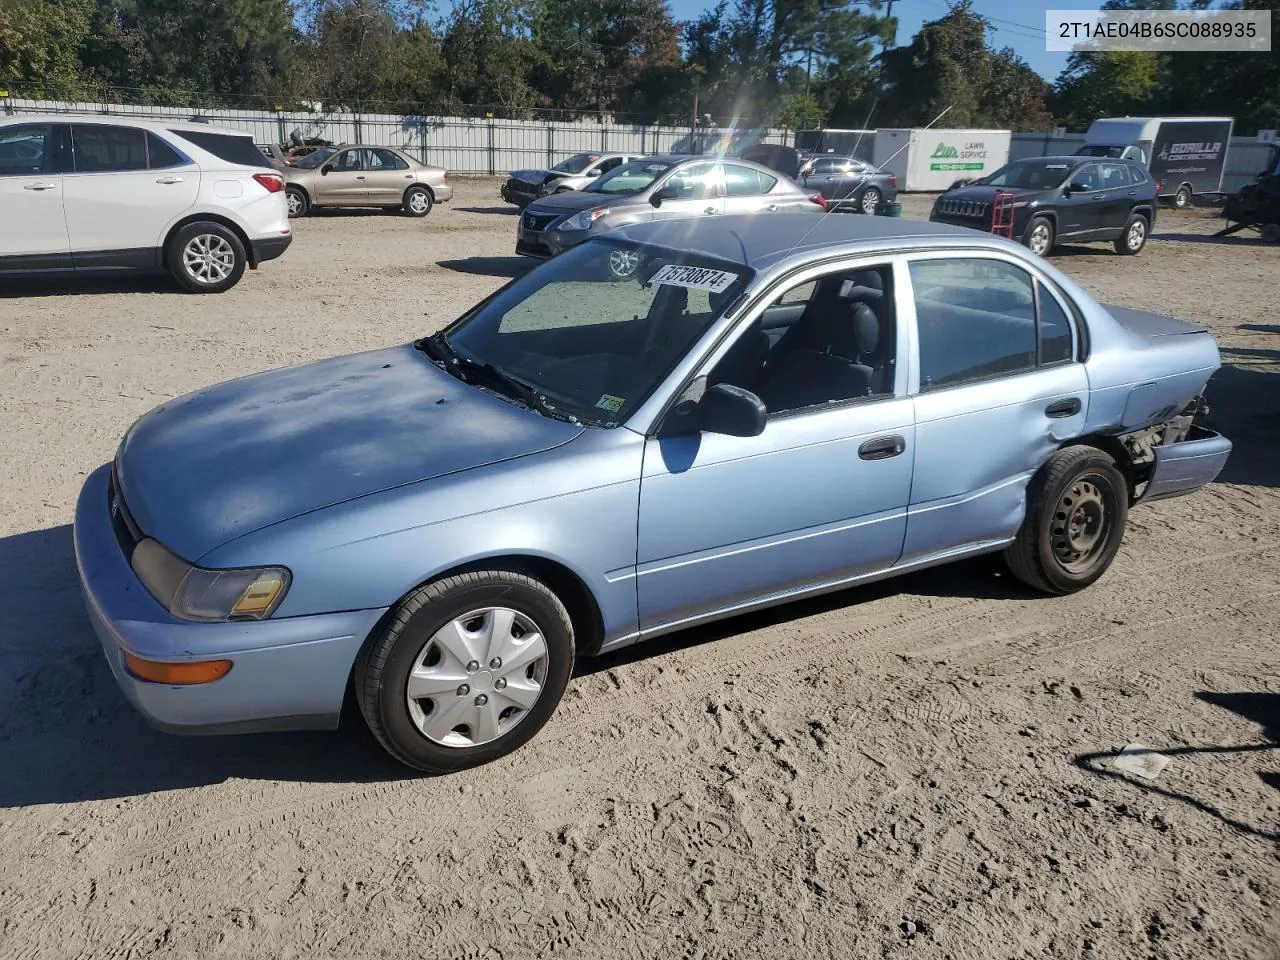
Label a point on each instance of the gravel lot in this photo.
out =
(922, 767)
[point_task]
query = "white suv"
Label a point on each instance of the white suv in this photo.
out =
(95, 193)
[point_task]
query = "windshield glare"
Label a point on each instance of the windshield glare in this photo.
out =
(630, 177)
(577, 163)
(1032, 174)
(313, 160)
(595, 330)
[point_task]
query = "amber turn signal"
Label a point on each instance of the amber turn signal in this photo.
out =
(186, 674)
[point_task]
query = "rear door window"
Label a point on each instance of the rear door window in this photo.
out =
(383, 159)
(744, 182)
(101, 148)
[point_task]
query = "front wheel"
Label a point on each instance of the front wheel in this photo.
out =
(466, 669)
(206, 257)
(1134, 236)
(1077, 506)
(870, 200)
(417, 201)
(1039, 237)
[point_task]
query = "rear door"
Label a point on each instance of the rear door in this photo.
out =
(387, 175)
(343, 180)
(124, 188)
(1117, 198)
(746, 190)
(1079, 211)
(32, 223)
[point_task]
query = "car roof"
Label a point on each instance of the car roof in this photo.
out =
(159, 126)
(762, 241)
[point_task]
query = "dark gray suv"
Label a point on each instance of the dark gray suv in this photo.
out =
(656, 188)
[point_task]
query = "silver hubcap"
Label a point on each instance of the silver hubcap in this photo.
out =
(869, 201)
(295, 203)
(623, 263)
(1040, 239)
(1137, 233)
(208, 258)
(418, 202)
(477, 677)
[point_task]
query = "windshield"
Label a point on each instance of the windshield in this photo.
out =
(630, 177)
(313, 160)
(1035, 174)
(577, 163)
(593, 332)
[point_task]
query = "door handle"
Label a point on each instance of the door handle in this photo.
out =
(710, 210)
(360, 176)
(1133, 193)
(169, 180)
(1097, 196)
(772, 207)
(41, 186)
(1063, 408)
(882, 448)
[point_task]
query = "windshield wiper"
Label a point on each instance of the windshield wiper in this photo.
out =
(437, 347)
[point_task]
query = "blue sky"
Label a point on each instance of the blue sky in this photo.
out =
(1019, 25)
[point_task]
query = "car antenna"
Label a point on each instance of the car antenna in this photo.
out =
(832, 208)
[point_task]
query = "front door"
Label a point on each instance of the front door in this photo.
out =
(118, 207)
(998, 391)
(343, 180)
(387, 175)
(697, 192)
(32, 224)
(818, 498)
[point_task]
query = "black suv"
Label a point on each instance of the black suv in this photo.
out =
(1059, 200)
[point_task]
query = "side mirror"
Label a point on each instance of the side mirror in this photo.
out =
(324, 171)
(594, 173)
(730, 410)
(1077, 186)
(666, 193)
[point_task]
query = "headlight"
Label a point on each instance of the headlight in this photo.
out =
(583, 220)
(194, 593)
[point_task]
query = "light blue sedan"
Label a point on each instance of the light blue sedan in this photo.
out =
(672, 423)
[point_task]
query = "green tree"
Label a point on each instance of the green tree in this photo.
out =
(39, 45)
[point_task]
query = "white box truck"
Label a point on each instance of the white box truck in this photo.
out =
(1185, 155)
(931, 159)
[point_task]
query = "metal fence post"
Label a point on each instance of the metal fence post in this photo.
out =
(492, 171)
(551, 152)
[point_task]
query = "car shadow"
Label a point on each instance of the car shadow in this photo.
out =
(510, 267)
(320, 213)
(1243, 238)
(67, 734)
(1244, 405)
(509, 210)
(88, 284)
(1259, 708)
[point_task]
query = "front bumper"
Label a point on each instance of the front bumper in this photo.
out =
(269, 248)
(287, 674)
(520, 196)
(544, 244)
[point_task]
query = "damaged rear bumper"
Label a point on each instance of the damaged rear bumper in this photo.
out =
(1186, 466)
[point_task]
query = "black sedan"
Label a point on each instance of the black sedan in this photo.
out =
(1044, 201)
(847, 183)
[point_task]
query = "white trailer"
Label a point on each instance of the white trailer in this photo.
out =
(931, 159)
(1185, 155)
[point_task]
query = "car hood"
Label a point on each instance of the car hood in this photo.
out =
(222, 462)
(985, 194)
(574, 201)
(538, 175)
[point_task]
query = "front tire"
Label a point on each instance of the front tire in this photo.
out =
(417, 201)
(466, 669)
(1077, 506)
(870, 200)
(1133, 237)
(298, 202)
(206, 257)
(1040, 236)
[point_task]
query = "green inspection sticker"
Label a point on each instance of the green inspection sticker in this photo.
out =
(611, 403)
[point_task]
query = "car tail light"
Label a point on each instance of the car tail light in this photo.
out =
(1159, 185)
(820, 200)
(893, 179)
(272, 181)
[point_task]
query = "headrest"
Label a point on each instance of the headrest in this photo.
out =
(866, 329)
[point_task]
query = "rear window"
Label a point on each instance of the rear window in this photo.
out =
(230, 147)
(1136, 173)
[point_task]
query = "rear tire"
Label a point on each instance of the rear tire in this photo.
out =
(1077, 506)
(438, 710)
(1133, 237)
(1182, 199)
(1271, 232)
(870, 200)
(417, 201)
(298, 202)
(206, 257)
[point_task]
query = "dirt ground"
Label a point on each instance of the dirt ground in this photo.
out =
(923, 767)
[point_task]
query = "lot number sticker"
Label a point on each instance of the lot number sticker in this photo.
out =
(695, 278)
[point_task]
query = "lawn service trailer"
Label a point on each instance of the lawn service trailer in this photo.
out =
(1185, 155)
(934, 159)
